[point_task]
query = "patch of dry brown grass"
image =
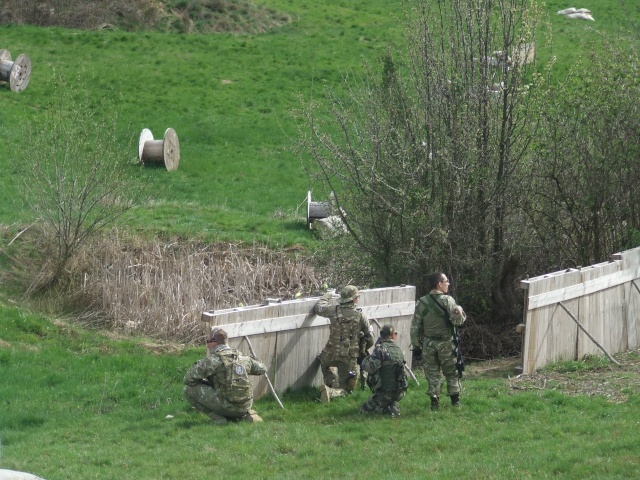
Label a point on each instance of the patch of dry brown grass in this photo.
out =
(160, 289)
(199, 16)
(608, 380)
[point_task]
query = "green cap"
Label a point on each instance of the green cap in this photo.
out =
(348, 294)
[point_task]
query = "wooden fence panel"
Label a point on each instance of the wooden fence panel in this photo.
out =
(631, 313)
(399, 316)
(550, 334)
(600, 314)
(287, 336)
(603, 298)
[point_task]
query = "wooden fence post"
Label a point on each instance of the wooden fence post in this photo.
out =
(265, 374)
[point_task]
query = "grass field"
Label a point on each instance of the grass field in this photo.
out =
(80, 405)
(231, 100)
(76, 404)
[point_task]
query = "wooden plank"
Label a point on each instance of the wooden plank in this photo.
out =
(600, 312)
(584, 288)
(606, 297)
(628, 258)
(296, 363)
(524, 284)
(586, 332)
(550, 334)
(265, 349)
(632, 313)
(303, 320)
(631, 298)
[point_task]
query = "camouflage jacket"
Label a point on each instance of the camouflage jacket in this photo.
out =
(429, 320)
(386, 365)
(212, 371)
(350, 332)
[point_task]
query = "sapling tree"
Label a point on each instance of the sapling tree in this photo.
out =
(77, 177)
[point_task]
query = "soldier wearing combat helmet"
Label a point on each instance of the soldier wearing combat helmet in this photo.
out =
(349, 337)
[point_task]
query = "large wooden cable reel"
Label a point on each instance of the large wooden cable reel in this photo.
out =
(16, 72)
(159, 152)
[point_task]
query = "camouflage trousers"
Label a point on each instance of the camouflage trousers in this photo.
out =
(380, 400)
(437, 355)
(347, 377)
(208, 400)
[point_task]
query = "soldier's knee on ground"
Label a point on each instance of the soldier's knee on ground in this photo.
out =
(218, 419)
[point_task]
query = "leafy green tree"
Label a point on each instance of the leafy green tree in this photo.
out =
(583, 203)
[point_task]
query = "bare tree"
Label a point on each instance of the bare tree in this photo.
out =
(430, 159)
(76, 177)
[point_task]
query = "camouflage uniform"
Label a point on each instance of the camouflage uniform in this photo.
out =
(431, 332)
(207, 389)
(350, 332)
(388, 380)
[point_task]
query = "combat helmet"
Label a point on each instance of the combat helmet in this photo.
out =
(349, 294)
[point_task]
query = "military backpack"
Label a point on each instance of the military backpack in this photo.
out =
(238, 387)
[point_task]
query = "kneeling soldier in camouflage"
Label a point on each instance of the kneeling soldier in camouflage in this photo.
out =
(387, 377)
(219, 384)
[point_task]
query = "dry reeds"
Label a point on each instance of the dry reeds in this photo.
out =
(161, 289)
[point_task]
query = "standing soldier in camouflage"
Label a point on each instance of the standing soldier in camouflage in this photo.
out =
(219, 384)
(349, 336)
(387, 377)
(432, 332)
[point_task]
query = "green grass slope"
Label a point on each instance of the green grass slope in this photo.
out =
(230, 99)
(76, 404)
(79, 405)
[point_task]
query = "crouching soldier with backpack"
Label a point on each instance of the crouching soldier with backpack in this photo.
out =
(219, 384)
(387, 377)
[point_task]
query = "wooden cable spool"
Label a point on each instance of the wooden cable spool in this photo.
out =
(316, 210)
(159, 152)
(16, 73)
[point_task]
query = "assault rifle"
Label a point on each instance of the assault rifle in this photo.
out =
(362, 354)
(457, 341)
(363, 377)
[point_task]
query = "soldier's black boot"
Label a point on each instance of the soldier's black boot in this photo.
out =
(435, 403)
(455, 400)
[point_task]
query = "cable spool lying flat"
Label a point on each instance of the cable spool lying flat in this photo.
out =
(159, 152)
(316, 210)
(16, 73)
